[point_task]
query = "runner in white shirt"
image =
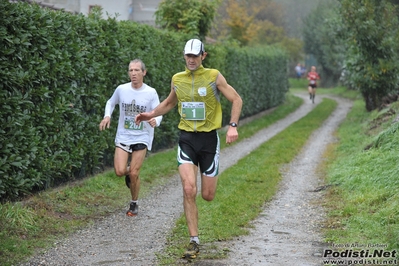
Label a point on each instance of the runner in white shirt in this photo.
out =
(133, 98)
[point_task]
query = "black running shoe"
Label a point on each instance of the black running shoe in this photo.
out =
(133, 210)
(127, 181)
(192, 251)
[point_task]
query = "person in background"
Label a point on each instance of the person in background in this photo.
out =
(312, 77)
(298, 71)
(197, 92)
(131, 139)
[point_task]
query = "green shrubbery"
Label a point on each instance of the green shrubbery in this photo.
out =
(59, 69)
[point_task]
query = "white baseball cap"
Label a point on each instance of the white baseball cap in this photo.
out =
(195, 47)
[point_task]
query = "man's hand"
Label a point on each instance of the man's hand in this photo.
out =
(152, 122)
(105, 123)
(143, 117)
(231, 135)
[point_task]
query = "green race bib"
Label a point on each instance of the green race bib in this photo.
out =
(131, 125)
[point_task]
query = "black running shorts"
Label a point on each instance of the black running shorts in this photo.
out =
(200, 148)
(131, 148)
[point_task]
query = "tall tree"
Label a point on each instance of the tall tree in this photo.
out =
(243, 26)
(295, 11)
(322, 40)
(193, 17)
(253, 23)
(372, 37)
(269, 10)
(245, 18)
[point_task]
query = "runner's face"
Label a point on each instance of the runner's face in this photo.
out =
(193, 61)
(136, 74)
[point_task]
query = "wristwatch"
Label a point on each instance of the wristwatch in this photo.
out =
(233, 124)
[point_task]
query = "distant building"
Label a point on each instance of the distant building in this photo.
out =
(144, 11)
(141, 11)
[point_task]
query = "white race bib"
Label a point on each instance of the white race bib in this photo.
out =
(193, 110)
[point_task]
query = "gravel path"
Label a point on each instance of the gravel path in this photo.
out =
(286, 233)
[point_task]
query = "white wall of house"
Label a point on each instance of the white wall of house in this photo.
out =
(114, 8)
(137, 10)
(143, 11)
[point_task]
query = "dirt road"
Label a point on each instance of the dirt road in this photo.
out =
(286, 233)
(288, 230)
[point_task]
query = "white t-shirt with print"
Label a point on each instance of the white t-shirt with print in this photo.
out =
(131, 102)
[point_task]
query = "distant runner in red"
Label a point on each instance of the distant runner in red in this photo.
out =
(313, 76)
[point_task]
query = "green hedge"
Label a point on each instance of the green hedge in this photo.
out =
(260, 77)
(59, 69)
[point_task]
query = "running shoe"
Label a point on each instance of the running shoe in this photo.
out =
(127, 181)
(192, 251)
(133, 210)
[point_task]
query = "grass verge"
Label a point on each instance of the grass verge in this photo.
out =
(41, 220)
(244, 188)
(364, 203)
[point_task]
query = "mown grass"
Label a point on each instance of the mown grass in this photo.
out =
(364, 204)
(301, 83)
(244, 188)
(37, 222)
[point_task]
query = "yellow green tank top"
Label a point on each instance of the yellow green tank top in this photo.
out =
(198, 100)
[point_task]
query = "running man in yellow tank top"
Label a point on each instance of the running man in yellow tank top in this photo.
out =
(197, 92)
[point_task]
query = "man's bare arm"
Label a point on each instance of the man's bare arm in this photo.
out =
(231, 94)
(164, 107)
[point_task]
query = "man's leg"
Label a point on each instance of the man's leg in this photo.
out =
(313, 94)
(208, 187)
(188, 174)
(134, 171)
(120, 162)
(133, 180)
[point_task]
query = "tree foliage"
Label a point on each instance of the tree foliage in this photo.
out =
(321, 36)
(242, 26)
(193, 17)
(372, 36)
(253, 23)
(270, 11)
(294, 13)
